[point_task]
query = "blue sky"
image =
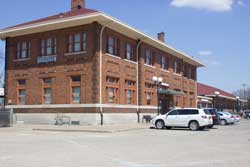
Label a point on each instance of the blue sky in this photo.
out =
(216, 32)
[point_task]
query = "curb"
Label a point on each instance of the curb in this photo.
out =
(89, 131)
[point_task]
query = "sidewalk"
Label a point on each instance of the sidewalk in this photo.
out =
(93, 129)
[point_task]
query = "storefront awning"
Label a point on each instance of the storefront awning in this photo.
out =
(171, 92)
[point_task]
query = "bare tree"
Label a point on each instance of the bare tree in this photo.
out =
(244, 93)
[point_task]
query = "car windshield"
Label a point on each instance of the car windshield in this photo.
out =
(227, 113)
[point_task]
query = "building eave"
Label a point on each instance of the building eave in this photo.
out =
(103, 19)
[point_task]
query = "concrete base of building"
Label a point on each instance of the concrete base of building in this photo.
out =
(83, 118)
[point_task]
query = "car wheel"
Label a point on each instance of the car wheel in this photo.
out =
(223, 122)
(159, 124)
(194, 126)
(211, 126)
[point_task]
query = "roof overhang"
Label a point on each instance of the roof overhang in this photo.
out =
(103, 19)
(222, 96)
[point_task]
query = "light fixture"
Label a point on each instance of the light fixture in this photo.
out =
(217, 93)
(155, 78)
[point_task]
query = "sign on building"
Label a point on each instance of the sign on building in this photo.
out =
(1, 92)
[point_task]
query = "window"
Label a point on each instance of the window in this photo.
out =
(188, 112)
(129, 52)
(112, 46)
(163, 63)
(23, 50)
(148, 57)
(47, 91)
(191, 102)
(48, 46)
(76, 89)
(47, 96)
(77, 42)
(130, 92)
(21, 91)
(112, 85)
(149, 98)
(149, 92)
(175, 112)
(22, 96)
(175, 67)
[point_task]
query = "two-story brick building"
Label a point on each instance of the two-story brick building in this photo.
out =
(94, 68)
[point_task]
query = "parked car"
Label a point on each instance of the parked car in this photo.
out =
(246, 114)
(215, 116)
(226, 118)
(236, 118)
(192, 118)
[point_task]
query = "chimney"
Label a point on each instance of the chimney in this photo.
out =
(77, 4)
(161, 37)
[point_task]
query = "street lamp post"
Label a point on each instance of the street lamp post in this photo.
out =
(238, 104)
(215, 99)
(158, 82)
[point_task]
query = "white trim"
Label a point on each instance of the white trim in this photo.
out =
(204, 97)
(149, 66)
(177, 74)
(101, 17)
(165, 70)
(130, 61)
(25, 59)
(79, 106)
(226, 97)
(75, 53)
(114, 56)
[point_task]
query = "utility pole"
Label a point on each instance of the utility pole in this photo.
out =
(244, 90)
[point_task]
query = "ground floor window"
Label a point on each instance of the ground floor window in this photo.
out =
(112, 88)
(75, 85)
(149, 98)
(22, 96)
(149, 92)
(47, 96)
(130, 91)
(76, 92)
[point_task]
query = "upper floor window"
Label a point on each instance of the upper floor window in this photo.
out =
(77, 42)
(148, 57)
(177, 67)
(112, 46)
(164, 63)
(129, 51)
(48, 46)
(23, 50)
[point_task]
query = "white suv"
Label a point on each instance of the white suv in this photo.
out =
(192, 118)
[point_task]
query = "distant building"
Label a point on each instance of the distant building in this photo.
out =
(211, 97)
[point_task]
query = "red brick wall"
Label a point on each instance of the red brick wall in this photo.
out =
(87, 65)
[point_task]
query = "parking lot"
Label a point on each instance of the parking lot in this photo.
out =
(224, 146)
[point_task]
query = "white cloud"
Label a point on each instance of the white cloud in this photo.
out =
(212, 5)
(205, 53)
(241, 3)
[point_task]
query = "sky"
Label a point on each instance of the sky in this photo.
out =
(215, 32)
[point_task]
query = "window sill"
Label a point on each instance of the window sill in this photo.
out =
(178, 74)
(130, 61)
(75, 53)
(18, 60)
(114, 56)
(165, 70)
(149, 66)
